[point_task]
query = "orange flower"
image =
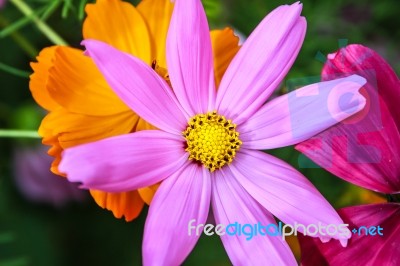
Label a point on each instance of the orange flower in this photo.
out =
(83, 108)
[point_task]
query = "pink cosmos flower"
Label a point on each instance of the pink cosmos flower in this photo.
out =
(364, 151)
(206, 148)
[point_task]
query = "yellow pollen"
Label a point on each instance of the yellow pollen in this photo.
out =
(212, 140)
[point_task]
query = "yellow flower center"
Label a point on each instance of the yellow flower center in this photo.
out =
(212, 140)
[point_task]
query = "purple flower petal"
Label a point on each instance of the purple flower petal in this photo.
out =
(283, 191)
(189, 57)
(182, 197)
(301, 114)
(139, 87)
(363, 249)
(37, 183)
(261, 63)
(125, 162)
(231, 204)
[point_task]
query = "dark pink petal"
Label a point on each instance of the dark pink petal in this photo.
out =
(182, 197)
(189, 57)
(139, 87)
(125, 162)
(362, 249)
(364, 149)
(261, 63)
(283, 191)
(232, 204)
(301, 114)
(361, 60)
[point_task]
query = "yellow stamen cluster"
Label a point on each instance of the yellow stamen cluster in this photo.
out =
(212, 140)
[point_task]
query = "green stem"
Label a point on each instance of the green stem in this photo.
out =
(14, 71)
(25, 45)
(50, 9)
(10, 133)
(42, 26)
(66, 8)
(19, 24)
(81, 11)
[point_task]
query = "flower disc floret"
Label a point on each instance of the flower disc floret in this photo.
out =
(212, 140)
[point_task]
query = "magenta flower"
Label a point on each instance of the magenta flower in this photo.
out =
(206, 147)
(364, 151)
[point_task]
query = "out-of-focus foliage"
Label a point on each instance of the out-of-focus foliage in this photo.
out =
(82, 233)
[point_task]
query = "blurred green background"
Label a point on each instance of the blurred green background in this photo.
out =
(79, 232)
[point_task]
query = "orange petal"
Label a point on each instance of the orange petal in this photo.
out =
(143, 125)
(77, 85)
(225, 45)
(75, 129)
(128, 204)
(54, 151)
(63, 129)
(119, 24)
(147, 193)
(157, 14)
(39, 78)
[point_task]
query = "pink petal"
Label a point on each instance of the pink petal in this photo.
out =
(362, 249)
(303, 113)
(139, 87)
(231, 204)
(262, 63)
(189, 57)
(125, 162)
(364, 149)
(182, 197)
(283, 191)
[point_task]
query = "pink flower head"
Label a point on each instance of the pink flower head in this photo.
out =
(206, 148)
(364, 151)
